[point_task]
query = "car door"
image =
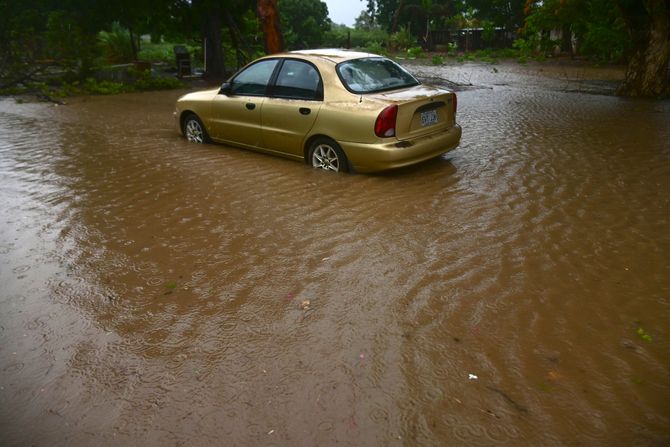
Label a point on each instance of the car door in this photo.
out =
(291, 108)
(236, 110)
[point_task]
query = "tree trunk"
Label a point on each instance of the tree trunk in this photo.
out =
(566, 40)
(649, 26)
(269, 16)
(133, 43)
(396, 16)
(235, 38)
(214, 49)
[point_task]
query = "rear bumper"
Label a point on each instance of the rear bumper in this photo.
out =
(398, 153)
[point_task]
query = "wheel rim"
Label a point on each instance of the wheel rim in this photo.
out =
(194, 131)
(325, 157)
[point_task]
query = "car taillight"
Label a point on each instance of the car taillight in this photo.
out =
(455, 103)
(385, 124)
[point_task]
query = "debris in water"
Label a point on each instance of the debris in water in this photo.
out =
(472, 377)
(643, 335)
(304, 304)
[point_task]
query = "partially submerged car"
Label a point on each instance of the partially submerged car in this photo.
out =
(337, 110)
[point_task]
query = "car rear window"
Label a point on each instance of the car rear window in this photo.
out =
(374, 74)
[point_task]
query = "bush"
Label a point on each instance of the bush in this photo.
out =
(141, 81)
(453, 48)
(161, 52)
(524, 47)
(115, 44)
(376, 48)
(604, 43)
(437, 60)
(415, 52)
(103, 87)
(145, 81)
(401, 40)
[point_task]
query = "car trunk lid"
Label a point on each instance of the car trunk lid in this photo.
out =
(421, 110)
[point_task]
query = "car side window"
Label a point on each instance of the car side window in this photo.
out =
(298, 80)
(253, 80)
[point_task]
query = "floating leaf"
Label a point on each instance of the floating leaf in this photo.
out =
(644, 335)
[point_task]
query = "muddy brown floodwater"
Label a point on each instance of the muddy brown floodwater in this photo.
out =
(513, 292)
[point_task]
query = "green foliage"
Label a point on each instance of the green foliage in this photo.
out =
(41, 36)
(375, 48)
(508, 14)
(402, 40)
(364, 22)
(103, 87)
(597, 26)
(604, 43)
(524, 47)
(158, 52)
(164, 52)
(67, 43)
(437, 60)
(488, 32)
(144, 80)
(115, 44)
(507, 53)
(486, 56)
(372, 40)
(304, 23)
(644, 335)
(453, 48)
(415, 52)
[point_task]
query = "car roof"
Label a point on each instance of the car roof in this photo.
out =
(334, 55)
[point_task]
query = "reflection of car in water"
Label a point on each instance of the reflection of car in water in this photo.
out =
(337, 110)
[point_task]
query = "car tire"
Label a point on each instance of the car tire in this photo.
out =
(326, 154)
(193, 129)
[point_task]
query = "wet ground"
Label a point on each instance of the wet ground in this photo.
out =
(513, 292)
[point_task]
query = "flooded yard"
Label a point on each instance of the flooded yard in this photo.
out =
(514, 292)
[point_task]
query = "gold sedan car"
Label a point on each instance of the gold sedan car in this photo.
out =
(337, 110)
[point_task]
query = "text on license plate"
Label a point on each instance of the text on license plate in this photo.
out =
(428, 118)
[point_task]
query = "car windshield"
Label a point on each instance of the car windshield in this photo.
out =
(374, 74)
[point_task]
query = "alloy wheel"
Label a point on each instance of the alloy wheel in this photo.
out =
(326, 158)
(194, 131)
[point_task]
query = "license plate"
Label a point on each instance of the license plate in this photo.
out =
(428, 118)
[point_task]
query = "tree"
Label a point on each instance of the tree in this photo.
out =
(508, 14)
(648, 24)
(304, 23)
(613, 30)
(44, 33)
(417, 15)
(364, 21)
(596, 25)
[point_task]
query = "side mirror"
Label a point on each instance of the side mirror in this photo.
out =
(226, 89)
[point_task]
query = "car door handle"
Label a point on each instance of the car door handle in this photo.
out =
(305, 110)
(250, 106)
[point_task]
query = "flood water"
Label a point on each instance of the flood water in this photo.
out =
(514, 292)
